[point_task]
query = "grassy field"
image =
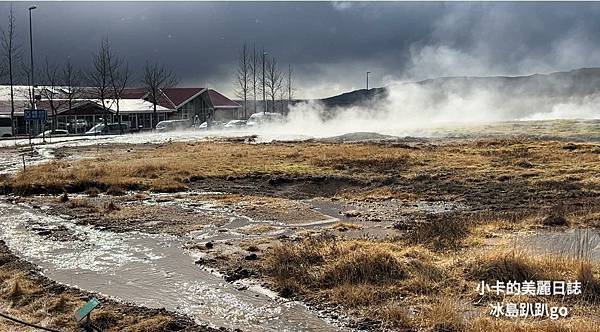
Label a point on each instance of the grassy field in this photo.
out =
(173, 167)
(428, 283)
(421, 278)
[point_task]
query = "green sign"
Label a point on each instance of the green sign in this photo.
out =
(82, 312)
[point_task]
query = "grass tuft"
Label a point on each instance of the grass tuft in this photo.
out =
(441, 232)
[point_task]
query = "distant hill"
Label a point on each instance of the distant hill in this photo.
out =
(578, 82)
(554, 87)
(357, 97)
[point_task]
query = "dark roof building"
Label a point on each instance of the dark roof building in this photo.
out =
(195, 104)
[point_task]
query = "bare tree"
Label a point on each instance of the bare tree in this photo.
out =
(290, 82)
(10, 54)
(119, 77)
(25, 76)
(156, 79)
(3, 69)
(242, 79)
(282, 100)
(50, 91)
(253, 71)
(99, 75)
(71, 81)
(273, 80)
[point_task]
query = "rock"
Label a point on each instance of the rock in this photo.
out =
(351, 213)
(45, 232)
(555, 220)
(209, 245)
(239, 273)
(205, 261)
(251, 257)
(525, 164)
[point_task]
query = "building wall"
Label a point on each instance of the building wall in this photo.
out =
(226, 114)
(199, 108)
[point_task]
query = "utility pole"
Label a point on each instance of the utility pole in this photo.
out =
(368, 80)
(31, 57)
(289, 83)
(263, 81)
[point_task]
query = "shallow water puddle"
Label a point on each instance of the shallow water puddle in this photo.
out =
(146, 269)
(579, 243)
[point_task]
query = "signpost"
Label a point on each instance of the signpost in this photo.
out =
(36, 115)
(36, 119)
(82, 315)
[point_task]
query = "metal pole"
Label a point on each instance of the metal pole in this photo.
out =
(368, 80)
(31, 58)
(263, 82)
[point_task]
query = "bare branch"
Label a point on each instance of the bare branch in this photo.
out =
(242, 80)
(11, 54)
(273, 80)
(156, 79)
(50, 91)
(99, 74)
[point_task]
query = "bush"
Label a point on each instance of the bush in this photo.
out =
(92, 192)
(441, 232)
(556, 216)
(373, 265)
(115, 191)
(505, 266)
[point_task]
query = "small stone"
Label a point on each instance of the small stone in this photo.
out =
(351, 213)
(209, 245)
(251, 257)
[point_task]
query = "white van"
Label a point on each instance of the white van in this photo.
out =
(5, 126)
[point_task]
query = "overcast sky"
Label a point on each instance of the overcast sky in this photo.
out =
(330, 45)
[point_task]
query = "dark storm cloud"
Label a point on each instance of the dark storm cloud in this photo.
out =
(330, 45)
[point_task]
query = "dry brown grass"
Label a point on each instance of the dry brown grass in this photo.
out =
(487, 324)
(256, 229)
(507, 265)
(381, 280)
(444, 315)
(357, 274)
(345, 226)
(173, 166)
(441, 232)
(590, 282)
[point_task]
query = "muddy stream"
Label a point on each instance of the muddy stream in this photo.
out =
(146, 269)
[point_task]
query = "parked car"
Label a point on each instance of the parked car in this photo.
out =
(169, 125)
(77, 126)
(5, 126)
(235, 124)
(54, 133)
(108, 129)
(215, 125)
(262, 118)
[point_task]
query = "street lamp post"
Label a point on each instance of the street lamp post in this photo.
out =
(368, 80)
(31, 57)
(263, 82)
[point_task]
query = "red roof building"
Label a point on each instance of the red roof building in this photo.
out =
(195, 104)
